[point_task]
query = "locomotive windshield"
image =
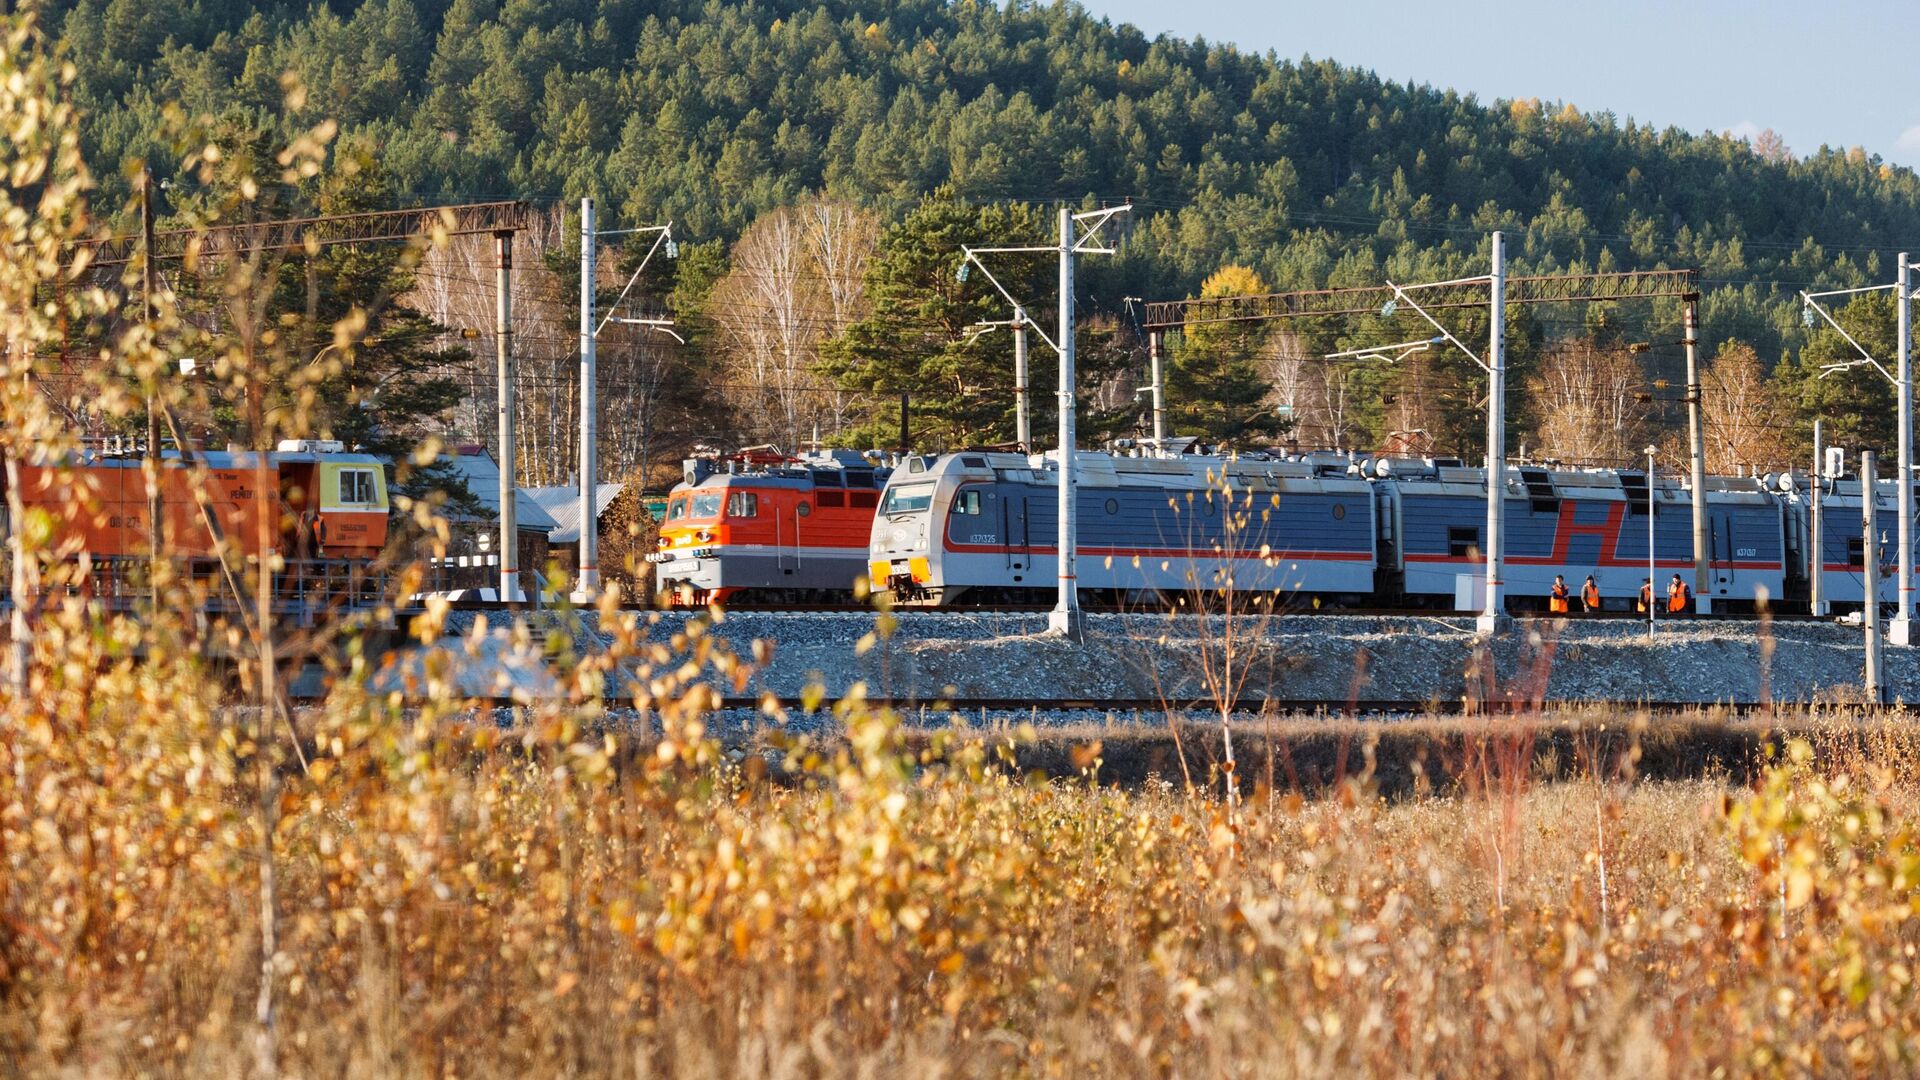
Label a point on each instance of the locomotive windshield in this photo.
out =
(907, 499)
(706, 505)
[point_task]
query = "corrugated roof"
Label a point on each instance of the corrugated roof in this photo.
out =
(562, 504)
(482, 477)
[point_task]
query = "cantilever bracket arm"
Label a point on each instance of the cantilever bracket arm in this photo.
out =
(665, 233)
(664, 326)
(1401, 294)
(1099, 219)
(1392, 354)
(972, 255)
(1866, 358)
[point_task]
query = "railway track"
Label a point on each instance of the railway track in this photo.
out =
(1041, 609)
(1368, 707)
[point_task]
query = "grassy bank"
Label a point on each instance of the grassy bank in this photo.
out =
(426, 897)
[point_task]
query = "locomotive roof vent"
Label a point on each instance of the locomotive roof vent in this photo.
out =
(311, 446)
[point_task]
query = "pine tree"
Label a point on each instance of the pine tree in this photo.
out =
(917, 339)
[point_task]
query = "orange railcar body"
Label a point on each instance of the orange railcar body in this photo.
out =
(99, 507)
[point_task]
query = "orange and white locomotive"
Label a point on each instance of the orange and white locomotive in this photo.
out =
(768, 528)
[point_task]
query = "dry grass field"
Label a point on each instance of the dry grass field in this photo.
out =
(405, 893)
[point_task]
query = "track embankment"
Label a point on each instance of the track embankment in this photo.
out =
(1340, 662)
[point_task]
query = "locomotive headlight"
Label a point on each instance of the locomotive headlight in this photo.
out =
(703, 536)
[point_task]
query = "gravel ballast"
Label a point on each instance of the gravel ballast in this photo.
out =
(1335, 660)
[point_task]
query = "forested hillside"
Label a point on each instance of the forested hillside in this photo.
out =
(1305, 173)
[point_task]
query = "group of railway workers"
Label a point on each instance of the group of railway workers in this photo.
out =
(1560, 600)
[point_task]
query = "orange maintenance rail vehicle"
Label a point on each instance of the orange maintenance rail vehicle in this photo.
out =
(768, 528)
(320, 502)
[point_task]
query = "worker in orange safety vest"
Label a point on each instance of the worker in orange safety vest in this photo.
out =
(1557, 600)
(1679, 596)
(1590, 595)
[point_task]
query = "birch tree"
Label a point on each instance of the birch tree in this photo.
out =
(796, 280)
(1586, 400)
(1746, 422)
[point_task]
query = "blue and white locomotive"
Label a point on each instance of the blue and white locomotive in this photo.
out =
(979, 529)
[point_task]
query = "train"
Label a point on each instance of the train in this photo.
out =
(1333, 530)
(978, 528)
(320, 504)
(767, 527)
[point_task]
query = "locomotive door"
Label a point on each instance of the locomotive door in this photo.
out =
(1721, 554)
(786, 534)
(1013, 532)
(790, 559)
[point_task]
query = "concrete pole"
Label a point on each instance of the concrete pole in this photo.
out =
(1022, 409)
(1697, 440)
(503, 372)
(1817, 561)
(1870, 606)
(1159, 391)
(1066, 617)
(588, 585)
(1496, 610)
(1900, 632)
(150, 465)
(1653, 561)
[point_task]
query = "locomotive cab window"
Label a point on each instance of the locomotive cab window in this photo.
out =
(677, 509)
(967, 502)
(907, 499)
(1857, 552)
(1463, 543)
(743, 504)
(356, 487)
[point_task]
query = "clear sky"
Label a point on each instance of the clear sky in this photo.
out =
(1840, 72)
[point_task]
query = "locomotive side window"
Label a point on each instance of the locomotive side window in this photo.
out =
(863, 500)
(356, 487)
(908, 499)
(967, 502)
(830, 498)
(1857, 552)
(743, 504)
(1463, 543)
